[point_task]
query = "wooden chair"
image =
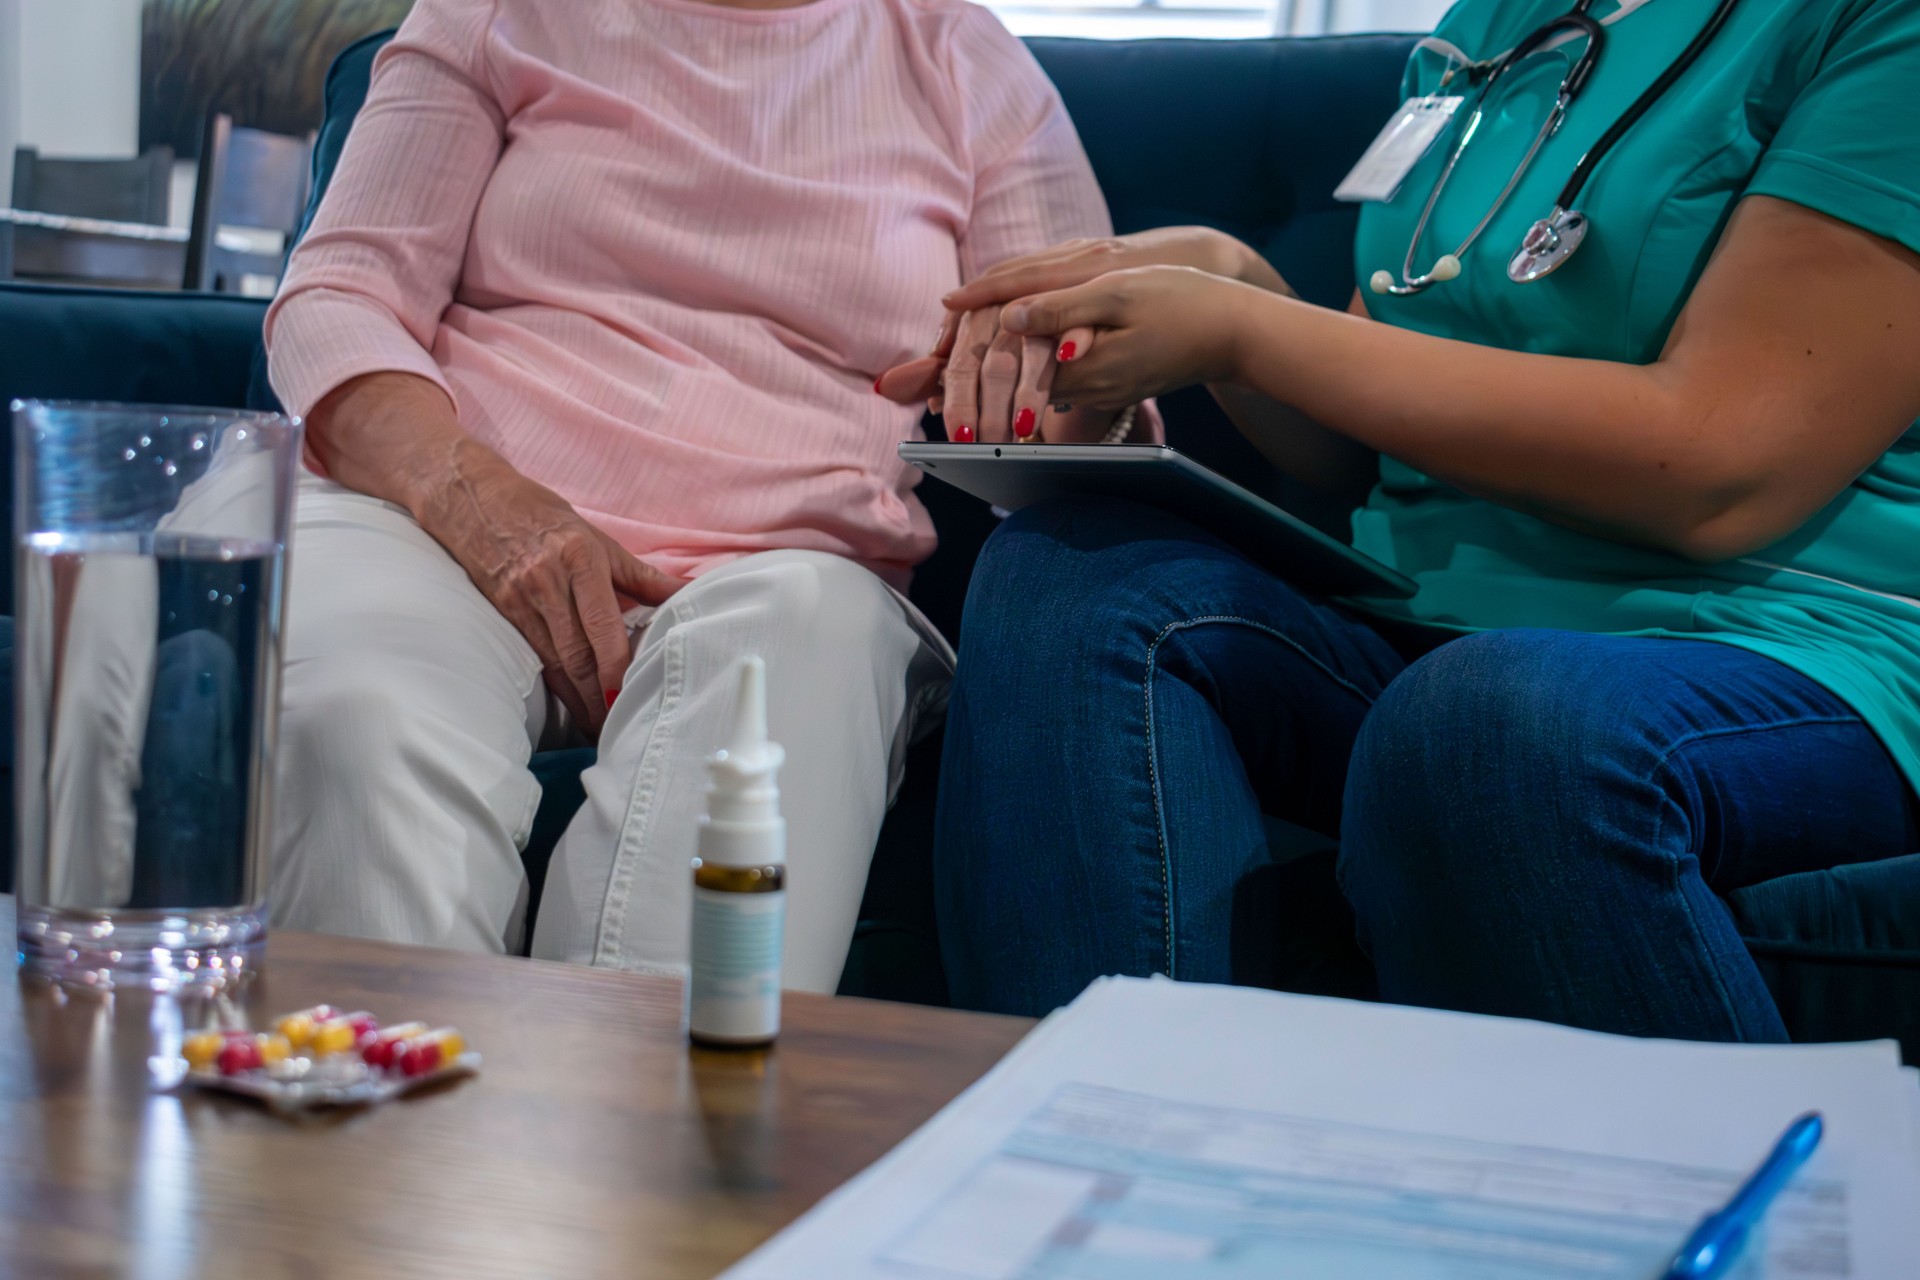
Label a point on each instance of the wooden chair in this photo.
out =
(136, 190)
(92, 221)
(246, 207)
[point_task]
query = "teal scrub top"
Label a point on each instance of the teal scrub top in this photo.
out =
(1812, 101)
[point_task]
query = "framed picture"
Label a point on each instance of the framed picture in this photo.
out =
(264, 62)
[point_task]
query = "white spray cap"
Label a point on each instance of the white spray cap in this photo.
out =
(743, 826)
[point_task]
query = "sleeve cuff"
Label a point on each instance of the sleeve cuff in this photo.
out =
(319, 339)
(1870, 203)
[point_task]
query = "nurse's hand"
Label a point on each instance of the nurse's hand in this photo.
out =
(1156, 329)
(1078, 261)
(987, 381)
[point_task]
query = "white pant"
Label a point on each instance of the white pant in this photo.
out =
(411, 706)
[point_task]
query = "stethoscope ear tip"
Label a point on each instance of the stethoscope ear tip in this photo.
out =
(1381, 282)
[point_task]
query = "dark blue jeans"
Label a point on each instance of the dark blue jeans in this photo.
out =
(1531, 823)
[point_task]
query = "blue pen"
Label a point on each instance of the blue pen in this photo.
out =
(1717, 1241)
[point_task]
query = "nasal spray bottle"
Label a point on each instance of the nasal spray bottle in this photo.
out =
(740, 883)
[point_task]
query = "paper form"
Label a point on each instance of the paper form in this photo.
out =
(1162, 1131)
(1106, 1182)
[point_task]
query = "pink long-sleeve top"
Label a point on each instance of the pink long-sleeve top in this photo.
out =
(657, 251)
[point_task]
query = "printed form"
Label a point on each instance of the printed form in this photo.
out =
(1162, 1131)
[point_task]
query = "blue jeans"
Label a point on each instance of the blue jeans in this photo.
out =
(1531, 823)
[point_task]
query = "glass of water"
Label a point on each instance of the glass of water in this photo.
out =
(151, 553)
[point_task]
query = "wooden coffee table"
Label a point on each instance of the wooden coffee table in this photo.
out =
(593, 1142)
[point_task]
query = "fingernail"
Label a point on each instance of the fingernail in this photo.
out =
(1023, 423)
(1015, 319)
(963, 435)
(1068, 350)
(876, 385)
(611, 695)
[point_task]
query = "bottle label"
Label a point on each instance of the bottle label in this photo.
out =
(733, 991)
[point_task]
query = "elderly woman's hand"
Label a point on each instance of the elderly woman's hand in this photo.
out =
(555, 577)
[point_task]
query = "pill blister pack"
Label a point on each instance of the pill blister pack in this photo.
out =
(323, 1057)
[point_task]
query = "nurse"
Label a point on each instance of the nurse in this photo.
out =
(1663, 508)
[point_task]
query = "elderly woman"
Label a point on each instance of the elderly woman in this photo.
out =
(585, 334)
(1662, 505)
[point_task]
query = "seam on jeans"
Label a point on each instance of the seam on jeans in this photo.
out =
(1717, 978)
(1697, 736)
(1673, 865)
(609, 939)
(1153, 752)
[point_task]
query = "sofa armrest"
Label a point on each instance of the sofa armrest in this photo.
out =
(71, 343)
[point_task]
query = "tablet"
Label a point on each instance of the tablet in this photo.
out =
(1011, 476)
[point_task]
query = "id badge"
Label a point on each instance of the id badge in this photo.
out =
(1408, 136)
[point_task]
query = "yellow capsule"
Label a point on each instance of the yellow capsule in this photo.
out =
(201, 1048)
(274, 1049)
(332, 1037)
(297, 1028)
(451, 1046)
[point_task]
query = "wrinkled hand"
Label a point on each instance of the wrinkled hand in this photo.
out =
(1157, 329)
(555, 577)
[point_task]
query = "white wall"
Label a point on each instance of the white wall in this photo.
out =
(1388, 15)
(1312, 17)
(79, 76)
(9, 92)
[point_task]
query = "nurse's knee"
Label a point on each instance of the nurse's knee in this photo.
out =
(1475, 750)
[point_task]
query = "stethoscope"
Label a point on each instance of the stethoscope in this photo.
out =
(1552, 240)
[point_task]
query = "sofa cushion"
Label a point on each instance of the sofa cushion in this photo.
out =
(1250, 136)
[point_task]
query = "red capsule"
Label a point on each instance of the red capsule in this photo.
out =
(238, 1055)
(384, 1048)
(426, 1054)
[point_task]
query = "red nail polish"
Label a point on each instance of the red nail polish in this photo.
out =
(1068, 351)
(611, 695)
(876, 385)
(1023, 423)
(963, 435)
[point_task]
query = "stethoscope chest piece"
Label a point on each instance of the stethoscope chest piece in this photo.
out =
(1548, 245)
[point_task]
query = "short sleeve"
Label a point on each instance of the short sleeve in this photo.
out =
(1849, 146)
(1033, 184)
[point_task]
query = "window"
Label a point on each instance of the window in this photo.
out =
(1212, 19)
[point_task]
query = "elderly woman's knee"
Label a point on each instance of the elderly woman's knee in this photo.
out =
(344, 722)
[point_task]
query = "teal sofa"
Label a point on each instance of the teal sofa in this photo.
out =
(1250, 136)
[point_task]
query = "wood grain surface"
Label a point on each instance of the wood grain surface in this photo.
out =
(594, 1142)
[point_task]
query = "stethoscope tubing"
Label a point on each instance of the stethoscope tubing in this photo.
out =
(1571, 25)
(1644, 103)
